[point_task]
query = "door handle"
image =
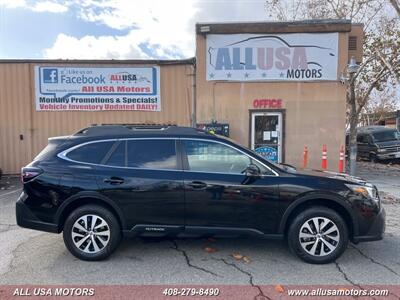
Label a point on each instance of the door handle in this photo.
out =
(198, 184)
(114, 180)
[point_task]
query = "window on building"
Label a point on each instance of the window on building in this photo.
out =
(352, 43)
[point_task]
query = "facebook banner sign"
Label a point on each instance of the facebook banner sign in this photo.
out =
(96, 89)
(272, 57)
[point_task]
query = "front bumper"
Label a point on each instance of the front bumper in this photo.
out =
(376, 231)
(25, 218)
(390, 155)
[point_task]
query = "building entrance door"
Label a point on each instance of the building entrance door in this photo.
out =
(266, 134)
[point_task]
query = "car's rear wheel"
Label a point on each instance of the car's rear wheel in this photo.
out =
(91, 232)
(318, 235)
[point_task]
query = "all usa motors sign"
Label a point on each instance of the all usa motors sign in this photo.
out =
(96, 89)
(253, 57)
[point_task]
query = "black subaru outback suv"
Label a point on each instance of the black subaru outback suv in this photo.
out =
(105, 182)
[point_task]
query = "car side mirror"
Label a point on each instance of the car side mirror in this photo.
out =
(252, 171)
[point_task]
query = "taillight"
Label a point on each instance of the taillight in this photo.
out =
(28, 173)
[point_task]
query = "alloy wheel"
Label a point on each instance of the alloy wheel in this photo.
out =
(319, 236)
(90, 233)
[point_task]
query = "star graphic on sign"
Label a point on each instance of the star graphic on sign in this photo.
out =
(282, 74)
(246, 75)
(264, 74)
(211, 75)
(229, 75)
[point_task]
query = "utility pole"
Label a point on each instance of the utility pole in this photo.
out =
(352, 69)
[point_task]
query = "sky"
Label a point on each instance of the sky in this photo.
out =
(113, 29)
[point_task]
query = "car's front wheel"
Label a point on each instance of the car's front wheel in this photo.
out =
(318, 235)
(373, 158)
(91, 232)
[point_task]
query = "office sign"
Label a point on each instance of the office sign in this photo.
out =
(271, 57)
(97, 89)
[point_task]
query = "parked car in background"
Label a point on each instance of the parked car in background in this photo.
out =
(377, 143)
(105, 182)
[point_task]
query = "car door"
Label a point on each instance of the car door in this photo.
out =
(219, 195)
(362, 146)
(144, 176)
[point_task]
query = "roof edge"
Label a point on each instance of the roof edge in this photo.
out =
(325, 25)
(187, 61)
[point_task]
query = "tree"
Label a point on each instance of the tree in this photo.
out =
(379, 106)
(380, 67)
(396, 6)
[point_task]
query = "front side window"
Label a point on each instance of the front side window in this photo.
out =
(152, 154)
(384, 136)
(90, 153)
(212, 157)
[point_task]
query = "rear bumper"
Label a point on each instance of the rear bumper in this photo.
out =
(376, 231)
(25, 218)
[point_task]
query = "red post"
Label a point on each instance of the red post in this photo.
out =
(305, 157)
(341, 160)
(324, 163)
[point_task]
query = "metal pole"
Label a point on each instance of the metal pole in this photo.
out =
(353, 129)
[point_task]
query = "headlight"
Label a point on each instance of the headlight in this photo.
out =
(366, 191)
(382, 150)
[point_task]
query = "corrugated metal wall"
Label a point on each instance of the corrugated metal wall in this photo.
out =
(24, 131)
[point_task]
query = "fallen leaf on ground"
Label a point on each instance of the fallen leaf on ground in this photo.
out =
(246, 259)
(237, 256)
(279, 288)
(210, 249)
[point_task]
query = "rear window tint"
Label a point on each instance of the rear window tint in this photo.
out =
(152, 154)
(46, 151)
(91, 153)
(117, 158)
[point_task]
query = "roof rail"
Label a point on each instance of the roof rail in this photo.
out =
(137, 125)
(371, 128)
(108, 129)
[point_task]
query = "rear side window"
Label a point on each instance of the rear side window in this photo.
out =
(91, 153)
(118, 158)
(152, 154)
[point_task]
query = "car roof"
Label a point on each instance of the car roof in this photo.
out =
(373, 129)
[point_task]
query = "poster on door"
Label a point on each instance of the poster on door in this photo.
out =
(270, 153)
(97, 88)
(271, 57)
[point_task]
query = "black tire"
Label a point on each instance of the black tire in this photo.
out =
(86, 213)
(293, 236)
(373, 158)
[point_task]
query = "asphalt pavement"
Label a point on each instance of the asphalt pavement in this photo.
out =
(33, 257)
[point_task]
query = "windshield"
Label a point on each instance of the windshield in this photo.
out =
(384, 136)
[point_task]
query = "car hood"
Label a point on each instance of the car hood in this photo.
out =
(333, 175)
(386, 144)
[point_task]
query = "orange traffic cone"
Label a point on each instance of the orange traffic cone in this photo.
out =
(305, 157)
(324, 162)
(341, 160)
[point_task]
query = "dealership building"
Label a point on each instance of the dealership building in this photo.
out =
(273, 87)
